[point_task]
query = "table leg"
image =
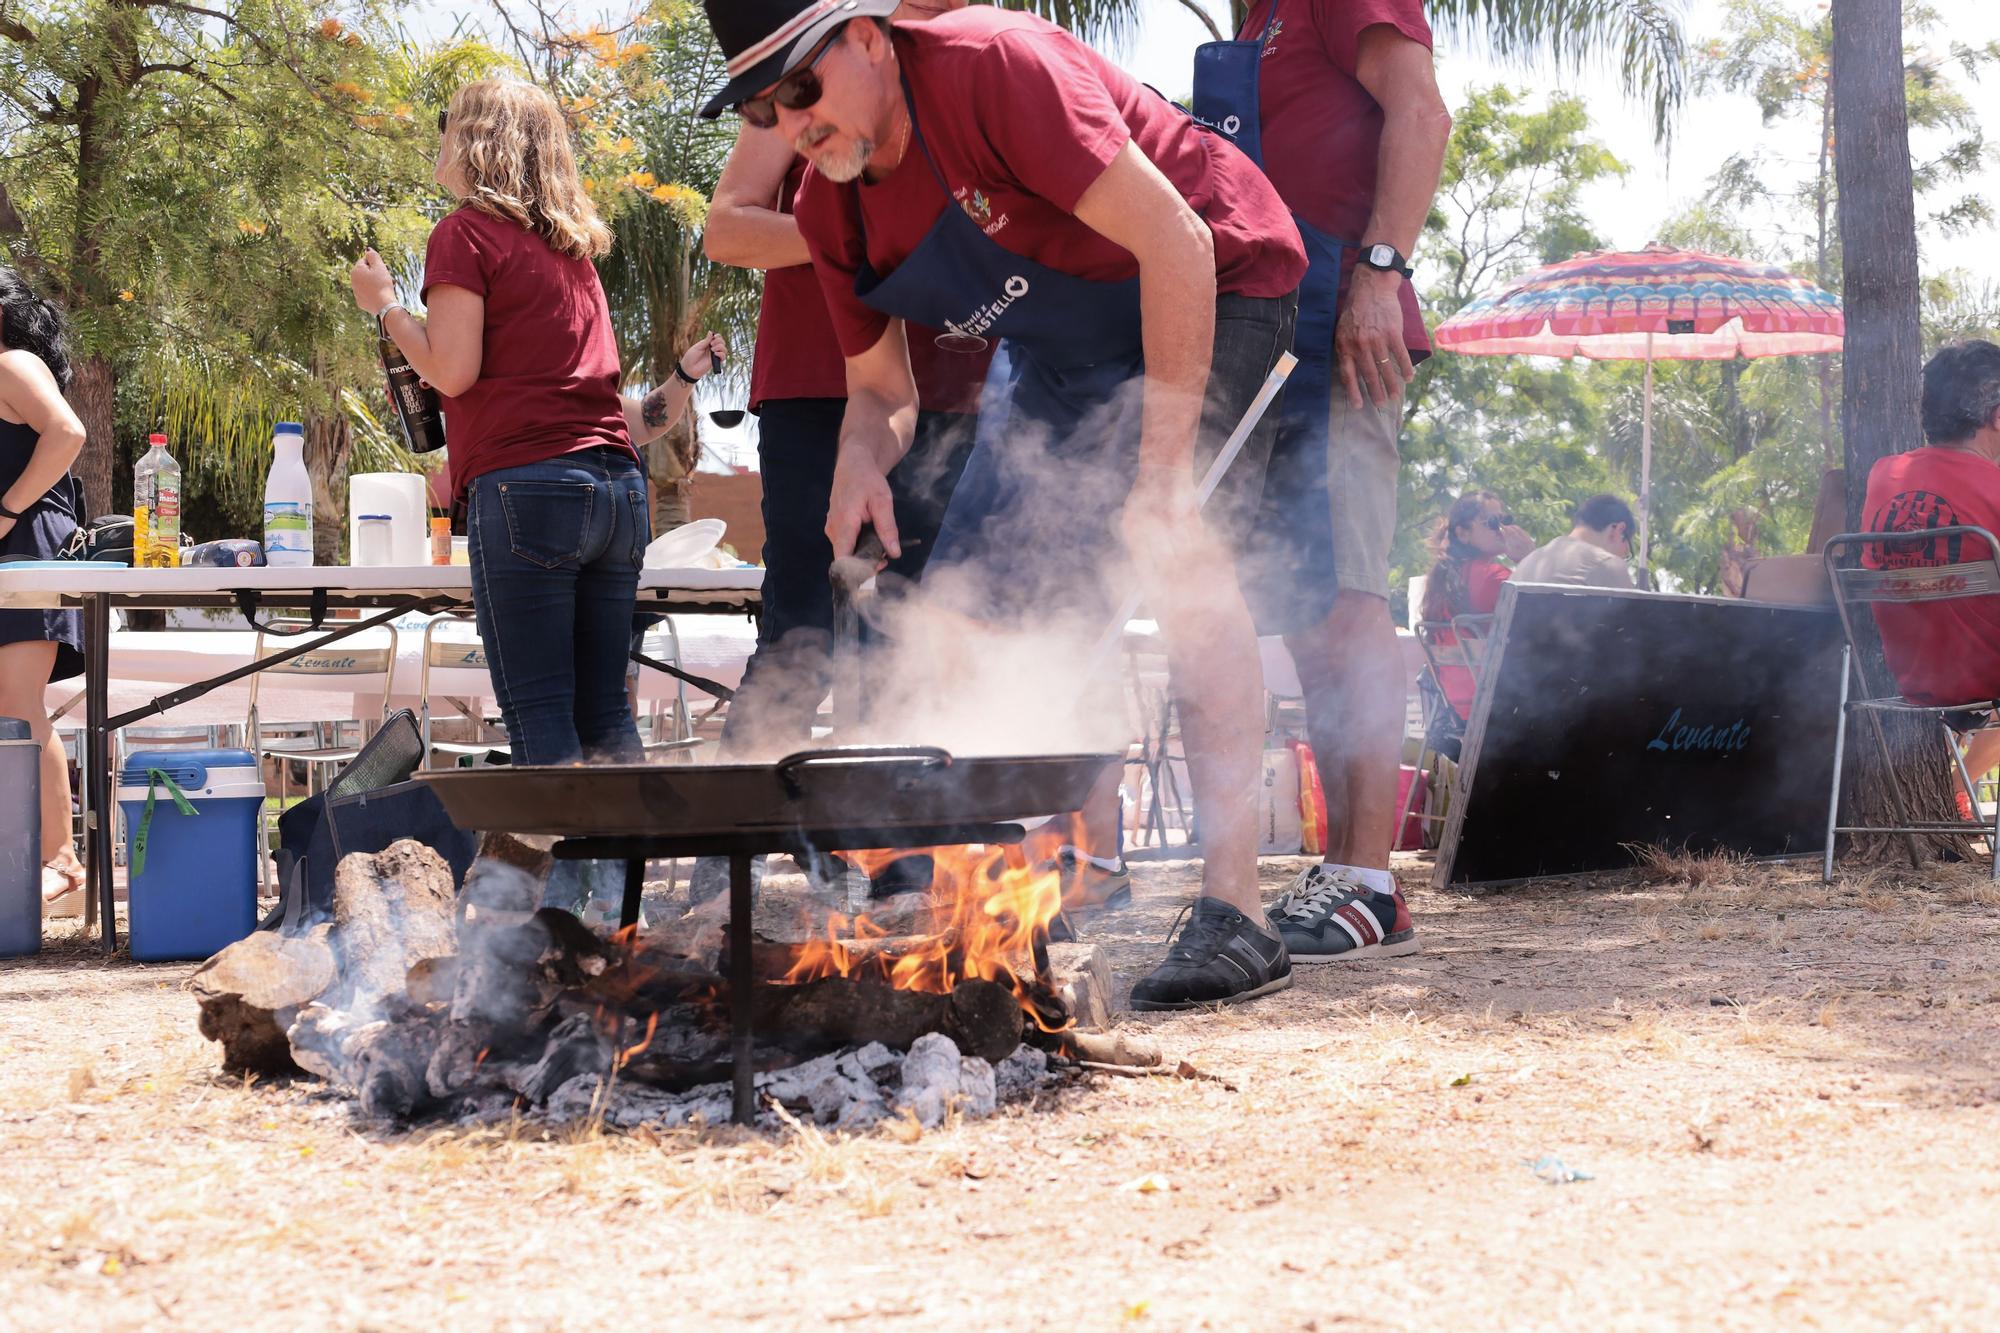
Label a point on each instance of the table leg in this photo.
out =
(97, 822)
(635, 887)
(741, 984)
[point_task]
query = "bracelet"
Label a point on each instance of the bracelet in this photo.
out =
(683, 376)
(7, 513)
(383, 313)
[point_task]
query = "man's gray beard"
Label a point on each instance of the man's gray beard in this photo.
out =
(848, 166)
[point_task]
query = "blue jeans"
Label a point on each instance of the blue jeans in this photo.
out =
(555, 550)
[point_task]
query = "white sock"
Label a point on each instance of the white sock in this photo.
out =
(1381, 881)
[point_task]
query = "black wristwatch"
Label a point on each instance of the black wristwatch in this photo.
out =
(1386, 259)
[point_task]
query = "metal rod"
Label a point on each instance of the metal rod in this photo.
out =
(97, 778)
(742, 979)
(1646, 477)
(635, 888)
(1274, 383)
(1839, 747)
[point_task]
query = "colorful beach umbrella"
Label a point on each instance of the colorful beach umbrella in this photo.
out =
(1655, 304)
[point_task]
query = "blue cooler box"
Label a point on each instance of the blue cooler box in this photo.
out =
(197, 891)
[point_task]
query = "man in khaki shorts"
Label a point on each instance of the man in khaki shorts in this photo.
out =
(1339, 102)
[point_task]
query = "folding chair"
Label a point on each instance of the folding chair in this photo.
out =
(662, 643)
(1454, 651)
(450, 652)
(1908, 581)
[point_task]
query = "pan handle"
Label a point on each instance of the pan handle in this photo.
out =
(792, 765)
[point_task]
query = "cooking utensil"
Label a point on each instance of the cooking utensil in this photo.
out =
(728, 418)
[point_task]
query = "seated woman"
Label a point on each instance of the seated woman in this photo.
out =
(1466, 575)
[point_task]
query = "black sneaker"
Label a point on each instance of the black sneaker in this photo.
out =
(1328, 915)
(1221, 955)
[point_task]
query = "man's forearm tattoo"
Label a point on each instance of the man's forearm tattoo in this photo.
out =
(654, 410)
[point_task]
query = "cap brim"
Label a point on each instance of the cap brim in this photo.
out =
(774, 67)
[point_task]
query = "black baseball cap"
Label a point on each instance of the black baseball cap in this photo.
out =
(764, 39)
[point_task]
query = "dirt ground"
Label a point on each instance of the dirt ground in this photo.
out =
(1783, 1097)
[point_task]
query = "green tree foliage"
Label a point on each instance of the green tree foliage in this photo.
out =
(1529, 428)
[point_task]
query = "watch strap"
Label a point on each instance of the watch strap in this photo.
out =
(1398, 264)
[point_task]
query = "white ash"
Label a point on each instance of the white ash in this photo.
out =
(850, 1089)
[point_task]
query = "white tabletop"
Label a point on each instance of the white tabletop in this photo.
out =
(42, 586)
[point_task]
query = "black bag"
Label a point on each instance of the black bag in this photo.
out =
(371, 803)
(106, 538)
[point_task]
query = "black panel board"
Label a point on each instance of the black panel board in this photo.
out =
(1613, 720)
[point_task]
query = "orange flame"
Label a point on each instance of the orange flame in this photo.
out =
(988, 908)
(633, 1052)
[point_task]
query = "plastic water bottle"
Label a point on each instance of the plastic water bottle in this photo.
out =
(288, 502)
(156, 508)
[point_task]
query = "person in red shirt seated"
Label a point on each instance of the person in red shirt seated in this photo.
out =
(1466, 576)
(1944, 652)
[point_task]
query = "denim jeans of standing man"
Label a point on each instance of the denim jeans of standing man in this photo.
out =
(555, 552)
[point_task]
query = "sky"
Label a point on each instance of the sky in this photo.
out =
(1625, 212)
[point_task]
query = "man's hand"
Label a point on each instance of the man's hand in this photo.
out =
(860, 495)
(1162, 528)
(1369, 339)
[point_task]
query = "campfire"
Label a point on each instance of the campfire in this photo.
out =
(421, 1004)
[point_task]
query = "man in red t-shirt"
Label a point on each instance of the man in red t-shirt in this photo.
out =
(1338, 101)
(988, 174)
(1944, 652)
(798, 389)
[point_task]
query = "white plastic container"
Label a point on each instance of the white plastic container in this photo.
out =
(374, 541)
(405, 498)
(288, 502)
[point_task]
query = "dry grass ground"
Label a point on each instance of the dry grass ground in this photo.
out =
(1784, 1096)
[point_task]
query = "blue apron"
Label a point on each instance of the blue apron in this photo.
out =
(1288, 568)
(1055, 427)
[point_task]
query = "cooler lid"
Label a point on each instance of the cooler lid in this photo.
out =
(15, 731)
(191, 770)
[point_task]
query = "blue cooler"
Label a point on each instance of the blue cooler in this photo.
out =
(193, 857)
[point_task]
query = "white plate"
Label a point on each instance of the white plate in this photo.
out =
(686, 545)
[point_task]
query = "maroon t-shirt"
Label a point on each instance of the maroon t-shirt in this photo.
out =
(1322, 131)
(548, 367)
(1940, 652)
(798, 356)
(1021, 119)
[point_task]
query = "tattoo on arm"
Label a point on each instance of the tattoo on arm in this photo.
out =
(653, 411)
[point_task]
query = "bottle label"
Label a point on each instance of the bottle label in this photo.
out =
(164, 551)
(287, 527)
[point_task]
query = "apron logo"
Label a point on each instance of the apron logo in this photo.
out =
(975, 325)
(980, 209)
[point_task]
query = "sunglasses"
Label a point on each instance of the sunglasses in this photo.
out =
(1498, 521)
(795, 92)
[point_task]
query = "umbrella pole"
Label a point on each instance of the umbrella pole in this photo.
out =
(1646, 477)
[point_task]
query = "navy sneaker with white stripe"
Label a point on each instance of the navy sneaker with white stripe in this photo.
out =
(1221, 955)
(1328, 915)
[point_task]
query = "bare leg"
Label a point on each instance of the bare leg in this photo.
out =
(1352, 671)
(1982, 754)
(24, 672)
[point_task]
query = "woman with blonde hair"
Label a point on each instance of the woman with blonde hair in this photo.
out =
(518, 341)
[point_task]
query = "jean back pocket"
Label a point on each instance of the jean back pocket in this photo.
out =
(547, 521)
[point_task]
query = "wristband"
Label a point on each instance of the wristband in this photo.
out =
(683, 376)
(383, 313)
(5, 512)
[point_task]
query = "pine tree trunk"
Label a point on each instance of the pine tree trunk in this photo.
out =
(93, 394)
(329, 440)
(1882, 364)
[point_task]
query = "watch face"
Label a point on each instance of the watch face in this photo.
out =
(1382, 256)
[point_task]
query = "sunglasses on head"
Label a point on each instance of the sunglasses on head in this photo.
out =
(795, 92)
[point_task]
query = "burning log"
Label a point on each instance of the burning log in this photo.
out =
(1079, 975)
(982, 1017)
(251, 991)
